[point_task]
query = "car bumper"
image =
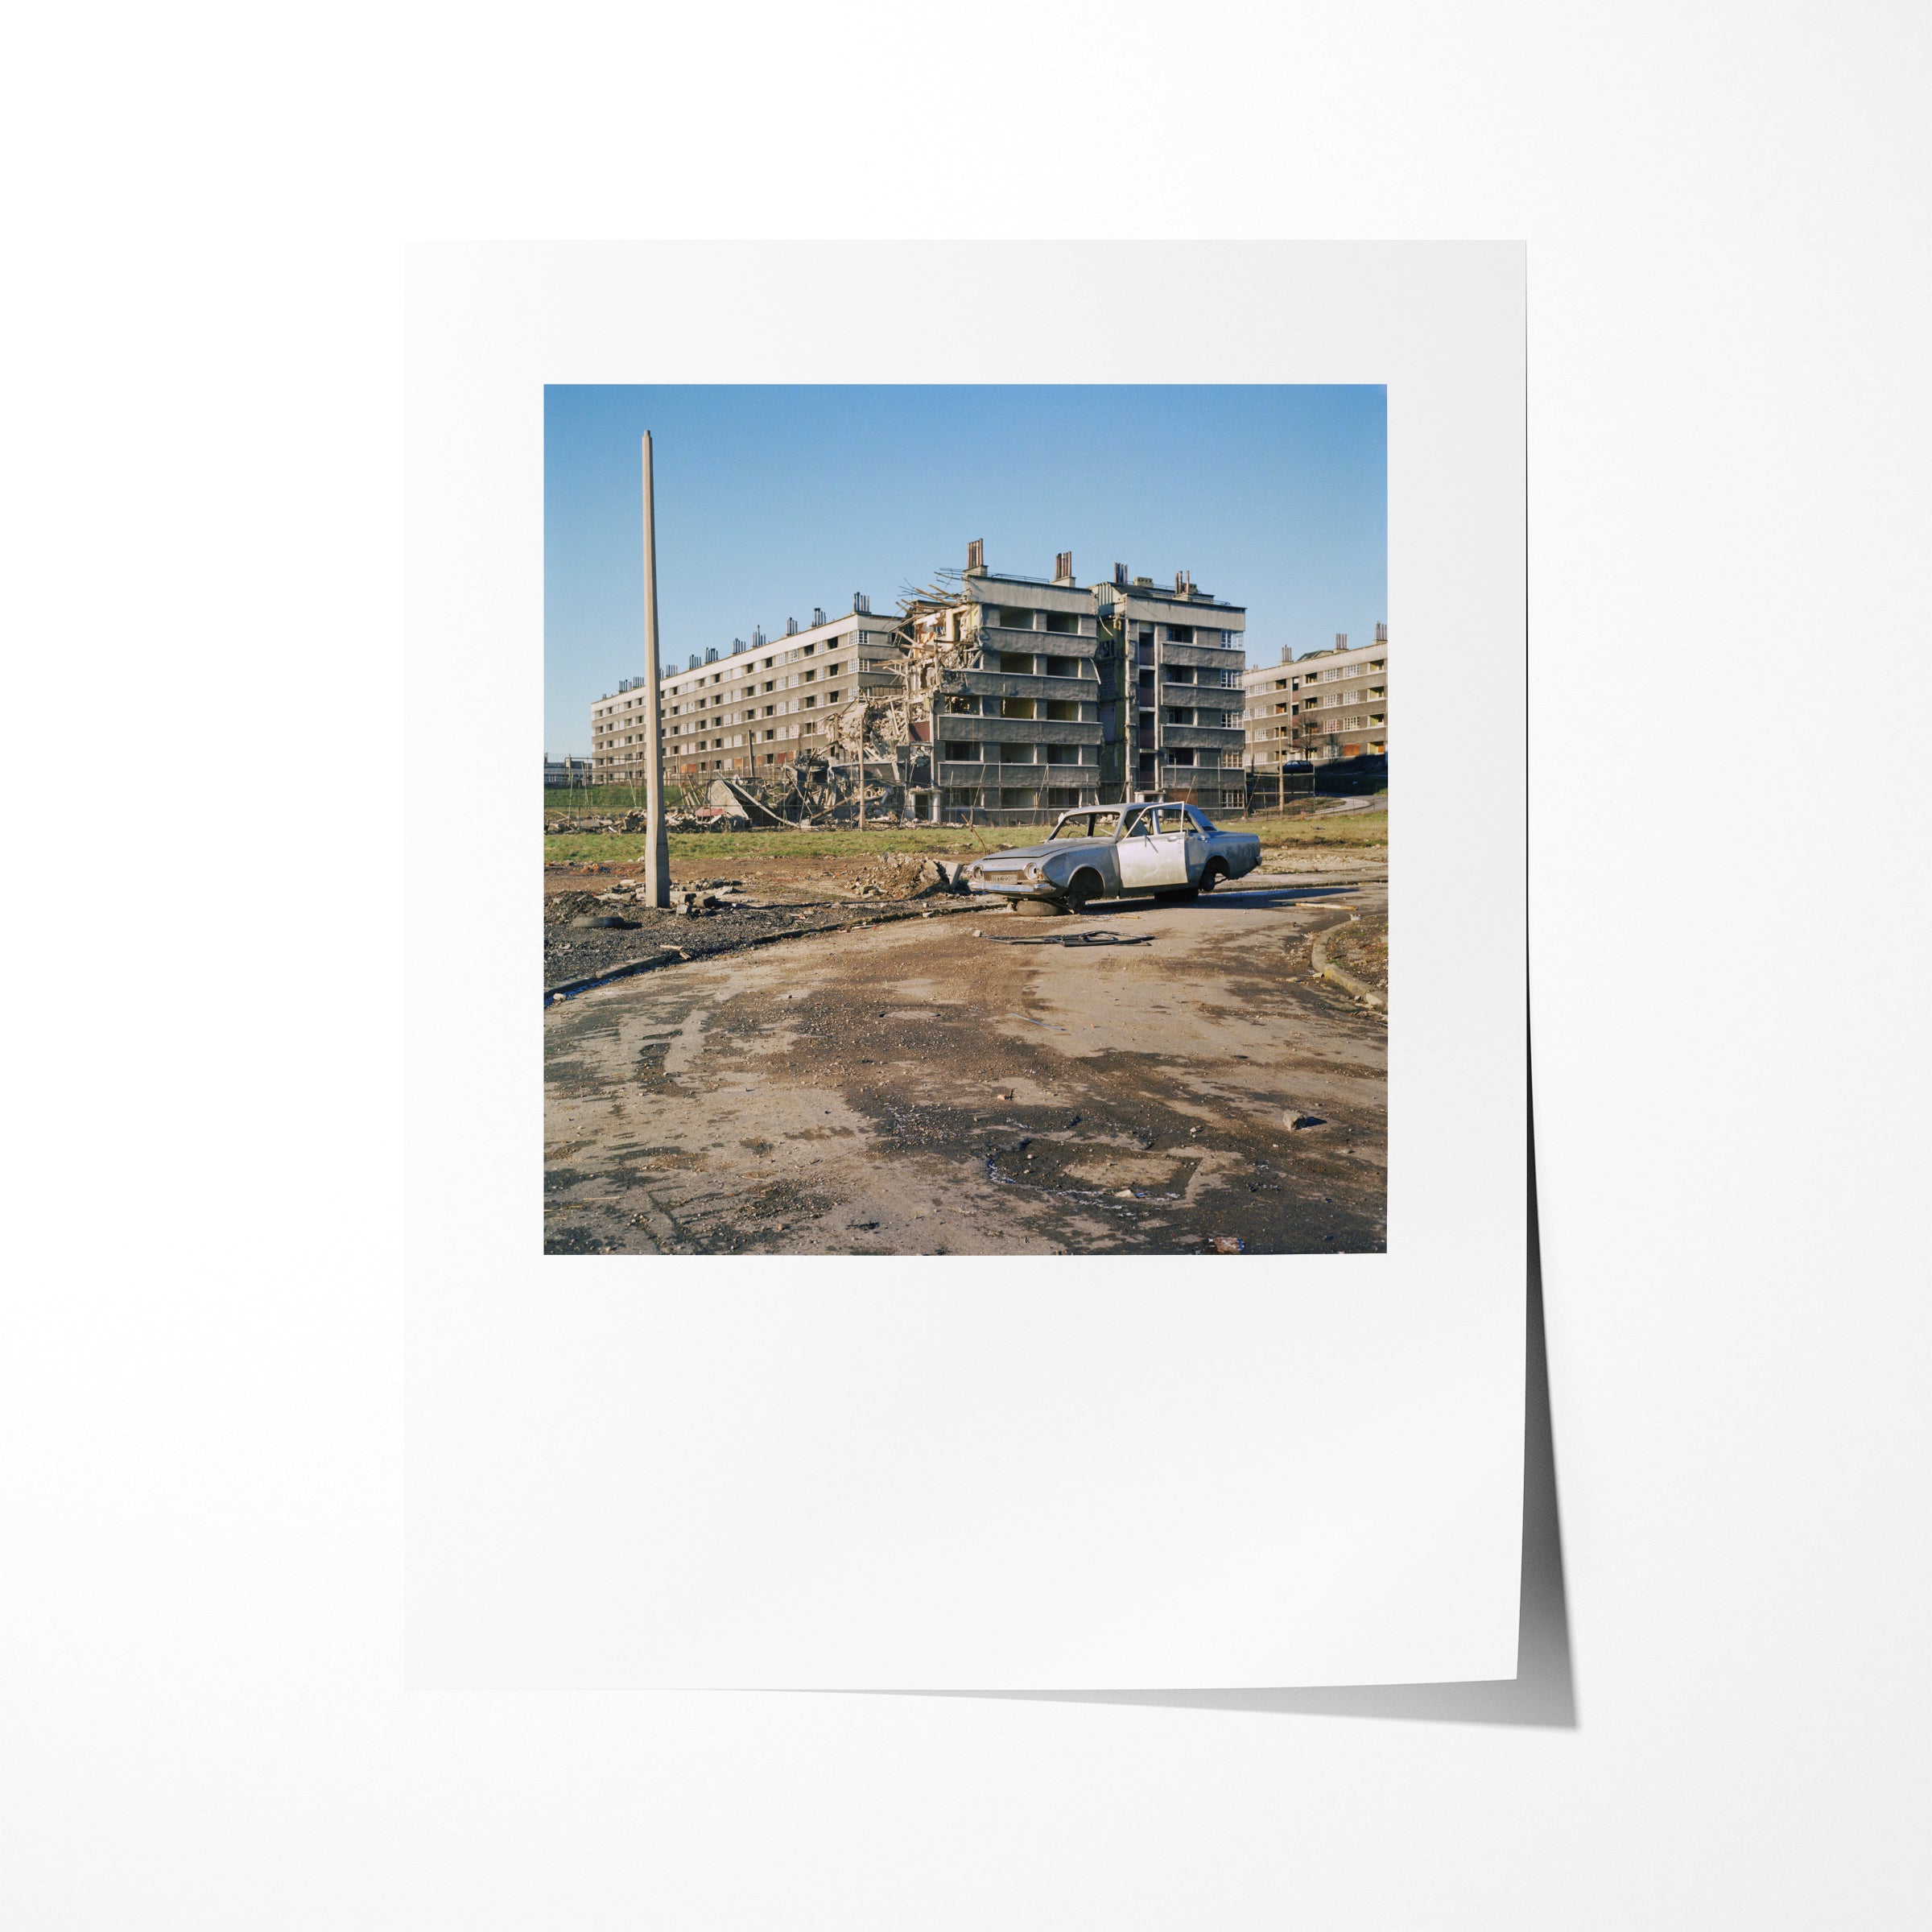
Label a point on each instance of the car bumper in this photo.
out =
(1020, 889)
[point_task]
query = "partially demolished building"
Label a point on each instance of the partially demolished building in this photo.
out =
(1063, 696)
(992, 694)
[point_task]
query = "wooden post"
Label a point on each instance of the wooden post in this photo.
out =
(657, 850)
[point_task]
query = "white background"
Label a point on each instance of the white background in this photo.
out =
(1725, 213)
(1033, 1472)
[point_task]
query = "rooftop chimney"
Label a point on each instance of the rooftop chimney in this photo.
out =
(693, 664)
(1063, 567)
(791, 627)
(757, 637)
(976, 558)
(711, 654)
(1287, 654)
(1381, 634)
(1120, 573)
(861, 603)
(818, 616)
(1341, 640)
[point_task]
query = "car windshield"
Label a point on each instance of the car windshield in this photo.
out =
(1087, 825)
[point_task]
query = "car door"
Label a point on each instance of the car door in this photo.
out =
(1199, 836)
(1153, 851)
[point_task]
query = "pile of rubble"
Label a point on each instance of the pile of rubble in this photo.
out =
(620, 821)
(900, 875)
(620, 903)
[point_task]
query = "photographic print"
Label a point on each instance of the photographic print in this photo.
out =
(965, 838)
(966, 820)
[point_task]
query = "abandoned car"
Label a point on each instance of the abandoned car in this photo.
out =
(1108, 851)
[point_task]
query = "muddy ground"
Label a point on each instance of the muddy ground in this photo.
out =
(929, 1086)
(769, 897)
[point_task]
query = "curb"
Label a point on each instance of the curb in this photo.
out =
(1326, 968)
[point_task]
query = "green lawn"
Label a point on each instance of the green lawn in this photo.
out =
(718, 848)
(1342, 828)
(721, 847)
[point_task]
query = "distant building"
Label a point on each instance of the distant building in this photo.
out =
(561, 772)
(1326, 705)
(758, 705)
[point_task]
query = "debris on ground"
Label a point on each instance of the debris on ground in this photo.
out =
(1225, 1243)
(1298, 1122)
(1076, 938)
(905, 875)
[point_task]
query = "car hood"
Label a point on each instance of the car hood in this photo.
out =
(1048, 849)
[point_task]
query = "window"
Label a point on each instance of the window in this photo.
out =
(1063, 667)
(1180, 674)
(1016, 619)
(1016, 755)
(1183, 756)
(1016, 663)
(961, 752)
(1016, 707)
(1064, 622)
(1064, 711)
(1180, 633)
(1176, 716)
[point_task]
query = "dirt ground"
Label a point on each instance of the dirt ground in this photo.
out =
(931, 1086)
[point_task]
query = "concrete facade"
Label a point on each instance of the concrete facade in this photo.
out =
(1180, 656)
(1325, 705)
(1051, 695)
(755, 706)
(1077, 696)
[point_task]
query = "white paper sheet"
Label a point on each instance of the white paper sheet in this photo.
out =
(1058, 1472)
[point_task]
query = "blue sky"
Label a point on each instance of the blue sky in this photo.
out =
(771, 500)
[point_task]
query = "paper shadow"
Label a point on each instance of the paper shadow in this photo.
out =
(1543, 1691)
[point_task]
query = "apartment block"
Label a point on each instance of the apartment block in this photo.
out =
(1048, 696)
(1324, 705)
(1073, 695)
(753, 706)
(1180, 654)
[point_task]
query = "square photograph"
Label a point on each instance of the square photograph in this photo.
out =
(913, 885)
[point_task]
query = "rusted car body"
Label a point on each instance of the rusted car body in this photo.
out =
(1107, 852)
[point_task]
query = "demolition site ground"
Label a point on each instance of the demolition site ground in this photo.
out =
(888, 1083)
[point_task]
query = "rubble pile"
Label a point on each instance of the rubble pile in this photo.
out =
(902, 875)
(624, 898)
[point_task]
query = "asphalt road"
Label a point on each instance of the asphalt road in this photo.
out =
(927, 1087)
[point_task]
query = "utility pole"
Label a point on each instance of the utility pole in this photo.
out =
(657, 850)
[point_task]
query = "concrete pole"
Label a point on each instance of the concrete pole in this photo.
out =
(657, 849)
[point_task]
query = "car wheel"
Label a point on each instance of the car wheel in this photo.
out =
(1216, 872)
(1085, 885)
